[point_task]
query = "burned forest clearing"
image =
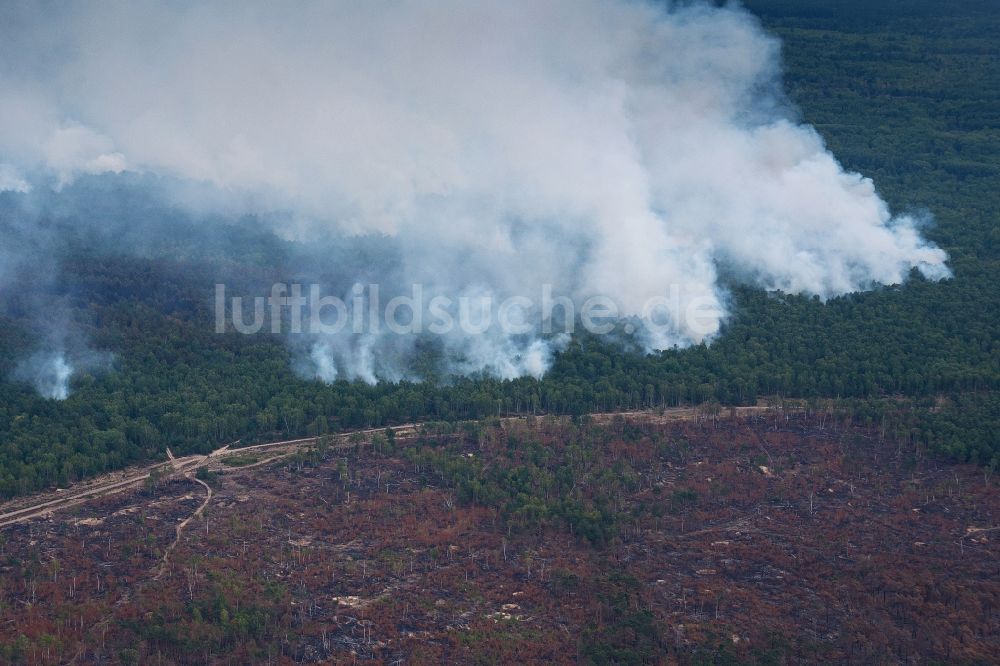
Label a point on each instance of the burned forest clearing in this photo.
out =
(755, 535)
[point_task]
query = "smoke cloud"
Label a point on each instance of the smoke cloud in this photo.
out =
(50, 372)
(611, 147)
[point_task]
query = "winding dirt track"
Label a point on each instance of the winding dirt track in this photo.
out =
(22, 509)
(181, 525)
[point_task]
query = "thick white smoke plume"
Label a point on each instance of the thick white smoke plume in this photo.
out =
(611, 147)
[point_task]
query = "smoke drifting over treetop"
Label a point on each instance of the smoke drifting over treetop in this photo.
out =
(601, 146)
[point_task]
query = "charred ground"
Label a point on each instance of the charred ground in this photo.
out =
(766, 538)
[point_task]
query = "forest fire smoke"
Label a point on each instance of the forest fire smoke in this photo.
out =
(600, 146)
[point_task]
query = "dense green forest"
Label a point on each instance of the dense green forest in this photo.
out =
(907, 93)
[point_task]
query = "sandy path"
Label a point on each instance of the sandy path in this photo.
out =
(181, 525)
(113, 483)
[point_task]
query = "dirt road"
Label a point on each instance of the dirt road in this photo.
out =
(36, 506)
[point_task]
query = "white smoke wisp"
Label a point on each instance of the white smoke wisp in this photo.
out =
(51, 371)
(325, 368)
(48, 372)
(11, 180)
(53, 381)
(610, 147)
